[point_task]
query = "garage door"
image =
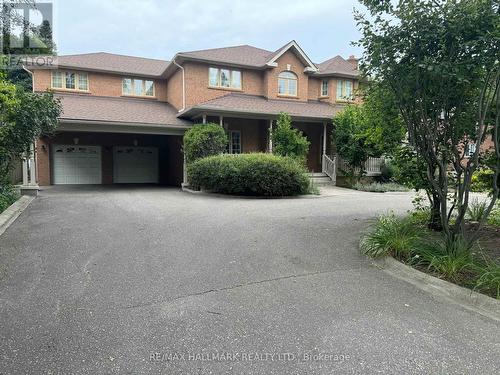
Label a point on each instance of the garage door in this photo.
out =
(74, 164)
(132, 165)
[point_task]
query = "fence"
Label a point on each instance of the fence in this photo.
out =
(372, 166)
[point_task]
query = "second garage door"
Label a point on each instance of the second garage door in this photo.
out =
(135, 165)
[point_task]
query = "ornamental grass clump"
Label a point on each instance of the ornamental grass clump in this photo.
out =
(391, 235)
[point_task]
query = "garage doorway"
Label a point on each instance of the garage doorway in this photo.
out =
(135, 165)
(75, 164)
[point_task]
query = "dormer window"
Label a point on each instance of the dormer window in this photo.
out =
(138, 87)
(70, 81)
(287, 84)
(224, 78)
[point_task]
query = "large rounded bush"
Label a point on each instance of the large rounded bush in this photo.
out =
(249, 174)
(204, 140)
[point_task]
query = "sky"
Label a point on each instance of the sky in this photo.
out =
(159, 29)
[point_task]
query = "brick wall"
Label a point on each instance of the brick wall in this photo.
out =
(100, 84)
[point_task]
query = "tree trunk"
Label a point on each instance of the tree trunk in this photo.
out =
(435, 221)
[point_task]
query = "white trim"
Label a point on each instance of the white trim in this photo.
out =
(231, 141)
(312, 67)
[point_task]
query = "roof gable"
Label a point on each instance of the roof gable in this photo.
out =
(337, 65)
(309, 65)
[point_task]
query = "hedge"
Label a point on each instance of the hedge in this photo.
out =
(249, 174)
(7, 196)
(204, 140)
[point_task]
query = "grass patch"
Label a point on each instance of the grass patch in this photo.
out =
(378, 187)
(8, 195)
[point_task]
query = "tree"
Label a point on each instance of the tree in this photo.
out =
(349, 132)
(24, 116)
(204, 140)
(288, 141)
(371, 129)
(440, 60)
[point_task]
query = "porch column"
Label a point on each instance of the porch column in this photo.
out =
(221, 121)
(324, 138)
(204, 117)
(32, 165)
(25, 170)
(184, 171)
(270, 136)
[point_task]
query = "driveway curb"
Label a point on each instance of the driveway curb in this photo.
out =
(219, 195)
(479, 303)
(13, 211)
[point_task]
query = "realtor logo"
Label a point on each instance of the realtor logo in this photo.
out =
(27, 27)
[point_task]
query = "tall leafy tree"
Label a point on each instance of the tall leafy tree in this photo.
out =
(288, 141)
(440, 59)
(24, 116)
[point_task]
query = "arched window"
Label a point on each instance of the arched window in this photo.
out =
(287, 84)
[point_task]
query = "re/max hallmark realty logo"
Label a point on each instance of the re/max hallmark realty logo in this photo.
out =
(27, 33)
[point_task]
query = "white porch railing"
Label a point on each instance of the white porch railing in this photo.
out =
(329, 167)
(372, 166)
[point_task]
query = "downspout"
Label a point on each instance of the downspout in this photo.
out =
(183, 86)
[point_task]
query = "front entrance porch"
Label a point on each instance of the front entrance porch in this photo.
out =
(252, 135)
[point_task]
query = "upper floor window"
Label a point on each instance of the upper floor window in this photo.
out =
(324, 87)
(287, 84)
(224, 78)
(344, 89)
(70, 81)
(138, 87)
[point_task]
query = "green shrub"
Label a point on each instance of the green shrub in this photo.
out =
(494, 217)
(204, 140)
(249, 174)
(378, 187)
(482, 180)
(7, 196)
(391, 235)
(288, 141)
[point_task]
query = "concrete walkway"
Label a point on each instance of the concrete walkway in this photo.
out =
(97, 280)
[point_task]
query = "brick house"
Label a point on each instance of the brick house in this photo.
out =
(123, 117)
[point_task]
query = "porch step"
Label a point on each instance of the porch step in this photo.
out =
(320, 179)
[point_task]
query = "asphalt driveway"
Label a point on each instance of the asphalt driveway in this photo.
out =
(150, 280)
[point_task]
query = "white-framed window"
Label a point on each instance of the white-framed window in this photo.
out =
(344, 89)
(470, 150)
(138, 87)
(66, 80)
(287, 84)
(224, 78)
(234, 146)
(324, 87)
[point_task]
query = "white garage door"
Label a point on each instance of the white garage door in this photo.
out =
(135, 165)
(75, 164)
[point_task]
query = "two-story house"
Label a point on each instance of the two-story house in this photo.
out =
(123, 117)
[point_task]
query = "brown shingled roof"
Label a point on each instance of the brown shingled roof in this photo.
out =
(337, 65)
(238, 55)
(258, 105)
(119, 110)
(108, 62)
